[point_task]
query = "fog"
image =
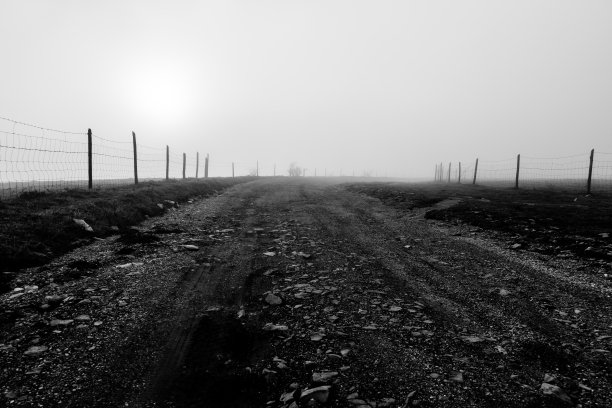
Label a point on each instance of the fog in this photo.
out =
(387, 88)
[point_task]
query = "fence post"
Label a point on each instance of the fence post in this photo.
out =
(257, 171)
(167, 162)
(184, 163)
(590, 171)
(459, 180)
(206, 166)
(436, 173)
(274, 169)
(449, 169)
(197, 163)
(89, 160)
(518, 167)
(475, 171)
(135, 158)
(233, 170)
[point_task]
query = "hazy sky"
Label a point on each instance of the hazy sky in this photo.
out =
(388, 86)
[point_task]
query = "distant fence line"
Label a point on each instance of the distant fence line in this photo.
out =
(37, 158)
(589, 172)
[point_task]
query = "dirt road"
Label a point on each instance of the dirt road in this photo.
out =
(279, 286)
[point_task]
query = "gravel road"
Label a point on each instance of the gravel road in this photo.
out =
(295, 292)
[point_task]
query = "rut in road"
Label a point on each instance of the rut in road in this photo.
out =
(485, 306)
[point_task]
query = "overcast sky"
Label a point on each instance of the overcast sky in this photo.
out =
(387, 86)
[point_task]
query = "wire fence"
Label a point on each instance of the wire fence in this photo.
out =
(35, 158)
(589, 172)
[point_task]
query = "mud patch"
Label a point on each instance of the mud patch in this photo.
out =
(216, 367)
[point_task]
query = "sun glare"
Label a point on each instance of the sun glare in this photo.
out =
(162, 93)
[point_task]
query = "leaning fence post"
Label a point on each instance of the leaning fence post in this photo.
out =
(449, 169)
(135, 159)
(167, 162)
(518, 167)
(206, 166)
(590, 171)
(89, 160)
(459, 179)
(184, 163)
(197, 163)
(475, 171)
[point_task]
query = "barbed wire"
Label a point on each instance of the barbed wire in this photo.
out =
(42, 128)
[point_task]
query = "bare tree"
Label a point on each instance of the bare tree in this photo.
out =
(295, 170)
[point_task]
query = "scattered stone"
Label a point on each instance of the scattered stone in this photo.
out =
(97, 323)
(554, 391)
(345, 352)
(82, 224)
(272, 299)
(318, 394)
(316, 337)
(395, 308)
(191, 247)
(503, 292)
(549, 378)
(54, 299)
(457, 377)
(516, 246)
(35, 351)
(269, 253)
(472, 339)
(324, 376)
(275, 327)
(58, 322)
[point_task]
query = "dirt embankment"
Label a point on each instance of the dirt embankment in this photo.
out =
(39, 226)
(287, 293)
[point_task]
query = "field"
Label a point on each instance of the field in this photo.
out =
(287, 292)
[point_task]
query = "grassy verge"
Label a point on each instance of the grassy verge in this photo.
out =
(550, 221)
(35, 227)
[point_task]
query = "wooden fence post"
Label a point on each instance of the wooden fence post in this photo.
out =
(206, 166)
(475, 171)
(184, 163)
(135, 158)
(197, 163)
(167, 162)
(459, 179)
(89, 161)
(590, 171)
(449, 169)
(257, 171)
(518, 167)
(233, 170)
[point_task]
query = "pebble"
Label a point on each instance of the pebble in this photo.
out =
(35, 350)
(272, 299)
(318, 394)
(457, 377)
(324, 376)
(555, 391)
(57, 322)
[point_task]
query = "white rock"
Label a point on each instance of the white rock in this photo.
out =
(58, 322)
(82, 224)
(553, 390)
(36, 350)
(324, 376)
(272, 299)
